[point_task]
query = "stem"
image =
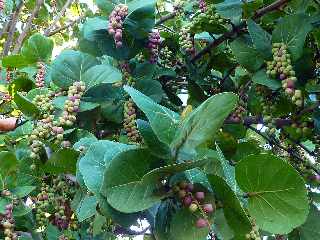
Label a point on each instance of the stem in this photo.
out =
(27, 27)
(236, 29)
(165, 18)
(58, 30)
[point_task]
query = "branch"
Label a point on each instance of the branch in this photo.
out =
(60, 29)
(165, 18)
(12, 27)
(4, 29)
(27, 27)
(58, 17)
(235, 30)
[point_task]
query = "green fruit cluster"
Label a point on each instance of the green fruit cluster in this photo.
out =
(282, 69)
(166, 57)
(210, 16)
(130, 121)
(43, 200)
(186, 40)
(254, 234)
(72, 104)
(40, 75)
(44, 103)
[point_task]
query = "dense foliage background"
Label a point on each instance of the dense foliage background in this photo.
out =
(101, 137)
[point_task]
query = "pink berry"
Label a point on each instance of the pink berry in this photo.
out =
(118, 44)
(201, 223)
(282, 76)
(200, 195)
(208, 208)
(290, 84)
(187, 201)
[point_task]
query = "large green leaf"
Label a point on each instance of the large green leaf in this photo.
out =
(70, 67)
(183, 227)
(62, 161)
(292, 30)
(15, 61)
(8, 163)
(92, 25)
(37, 48)
(202, 124)
(163, 121)
(92, 165)
(22, 191)
(87, 208)
(231, 9)
(141, 18)
(132, 183)
(246, 55)
(277, 194)
(156, 147)
(262, 78)
(101, 74)
(235, 215)
(261, 39)
(310, 230)
(26, 106)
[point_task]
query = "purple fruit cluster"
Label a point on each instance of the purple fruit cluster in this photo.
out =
(72, 104)
(202, 5)
(1, 5)
(195, 202)
(153, 46)
(282, 69)
(116, 20)
(8, 223)
(237, 115)
(40, 75)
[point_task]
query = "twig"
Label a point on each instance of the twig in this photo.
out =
(236, 29)
(4, 29)
(165, 18)
(12, 27)
(58, 17)
(60, 29)
(27, 27)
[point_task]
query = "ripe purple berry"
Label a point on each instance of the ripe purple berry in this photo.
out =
(208, 208)
(187, 201)
(201, 223)
(199, 195)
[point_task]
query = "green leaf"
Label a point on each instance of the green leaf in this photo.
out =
(92, 25)
(292, 30)
(70, 66)
(92, 165)
(234, 213)
(163, 219)
(98, 224)
(231, 9)
(277, 194)
(16, 61)
(261, 39)
(262, 78)
(162, 120)
(137, 186)
(141, 18)
(62, 161)
(246, 55)
(156, 147)
(22, 191)
(310, 230)
(26, 106)
(87, 208)
(101, 74)
(202, 124)
(21, 210)
(221, 227)
(8, 163)
(183, 227)
(37, 48)
(52, 232)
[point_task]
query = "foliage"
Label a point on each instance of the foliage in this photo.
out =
(200, 117)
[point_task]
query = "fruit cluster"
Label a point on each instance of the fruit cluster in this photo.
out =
(254, 234)
(44, 103)
(237, 115)
(281, 68)
(210, 16)
(178, 6)
(202, 5)
(301, 128)
(44, 198)
(8, 223)
(166, 57)
(8, 74)
(186, 40)
(40, 75)
(130, 121)
(116, 20)
(72, 104)
(194, 201)
(1, 5)
(153, 45)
